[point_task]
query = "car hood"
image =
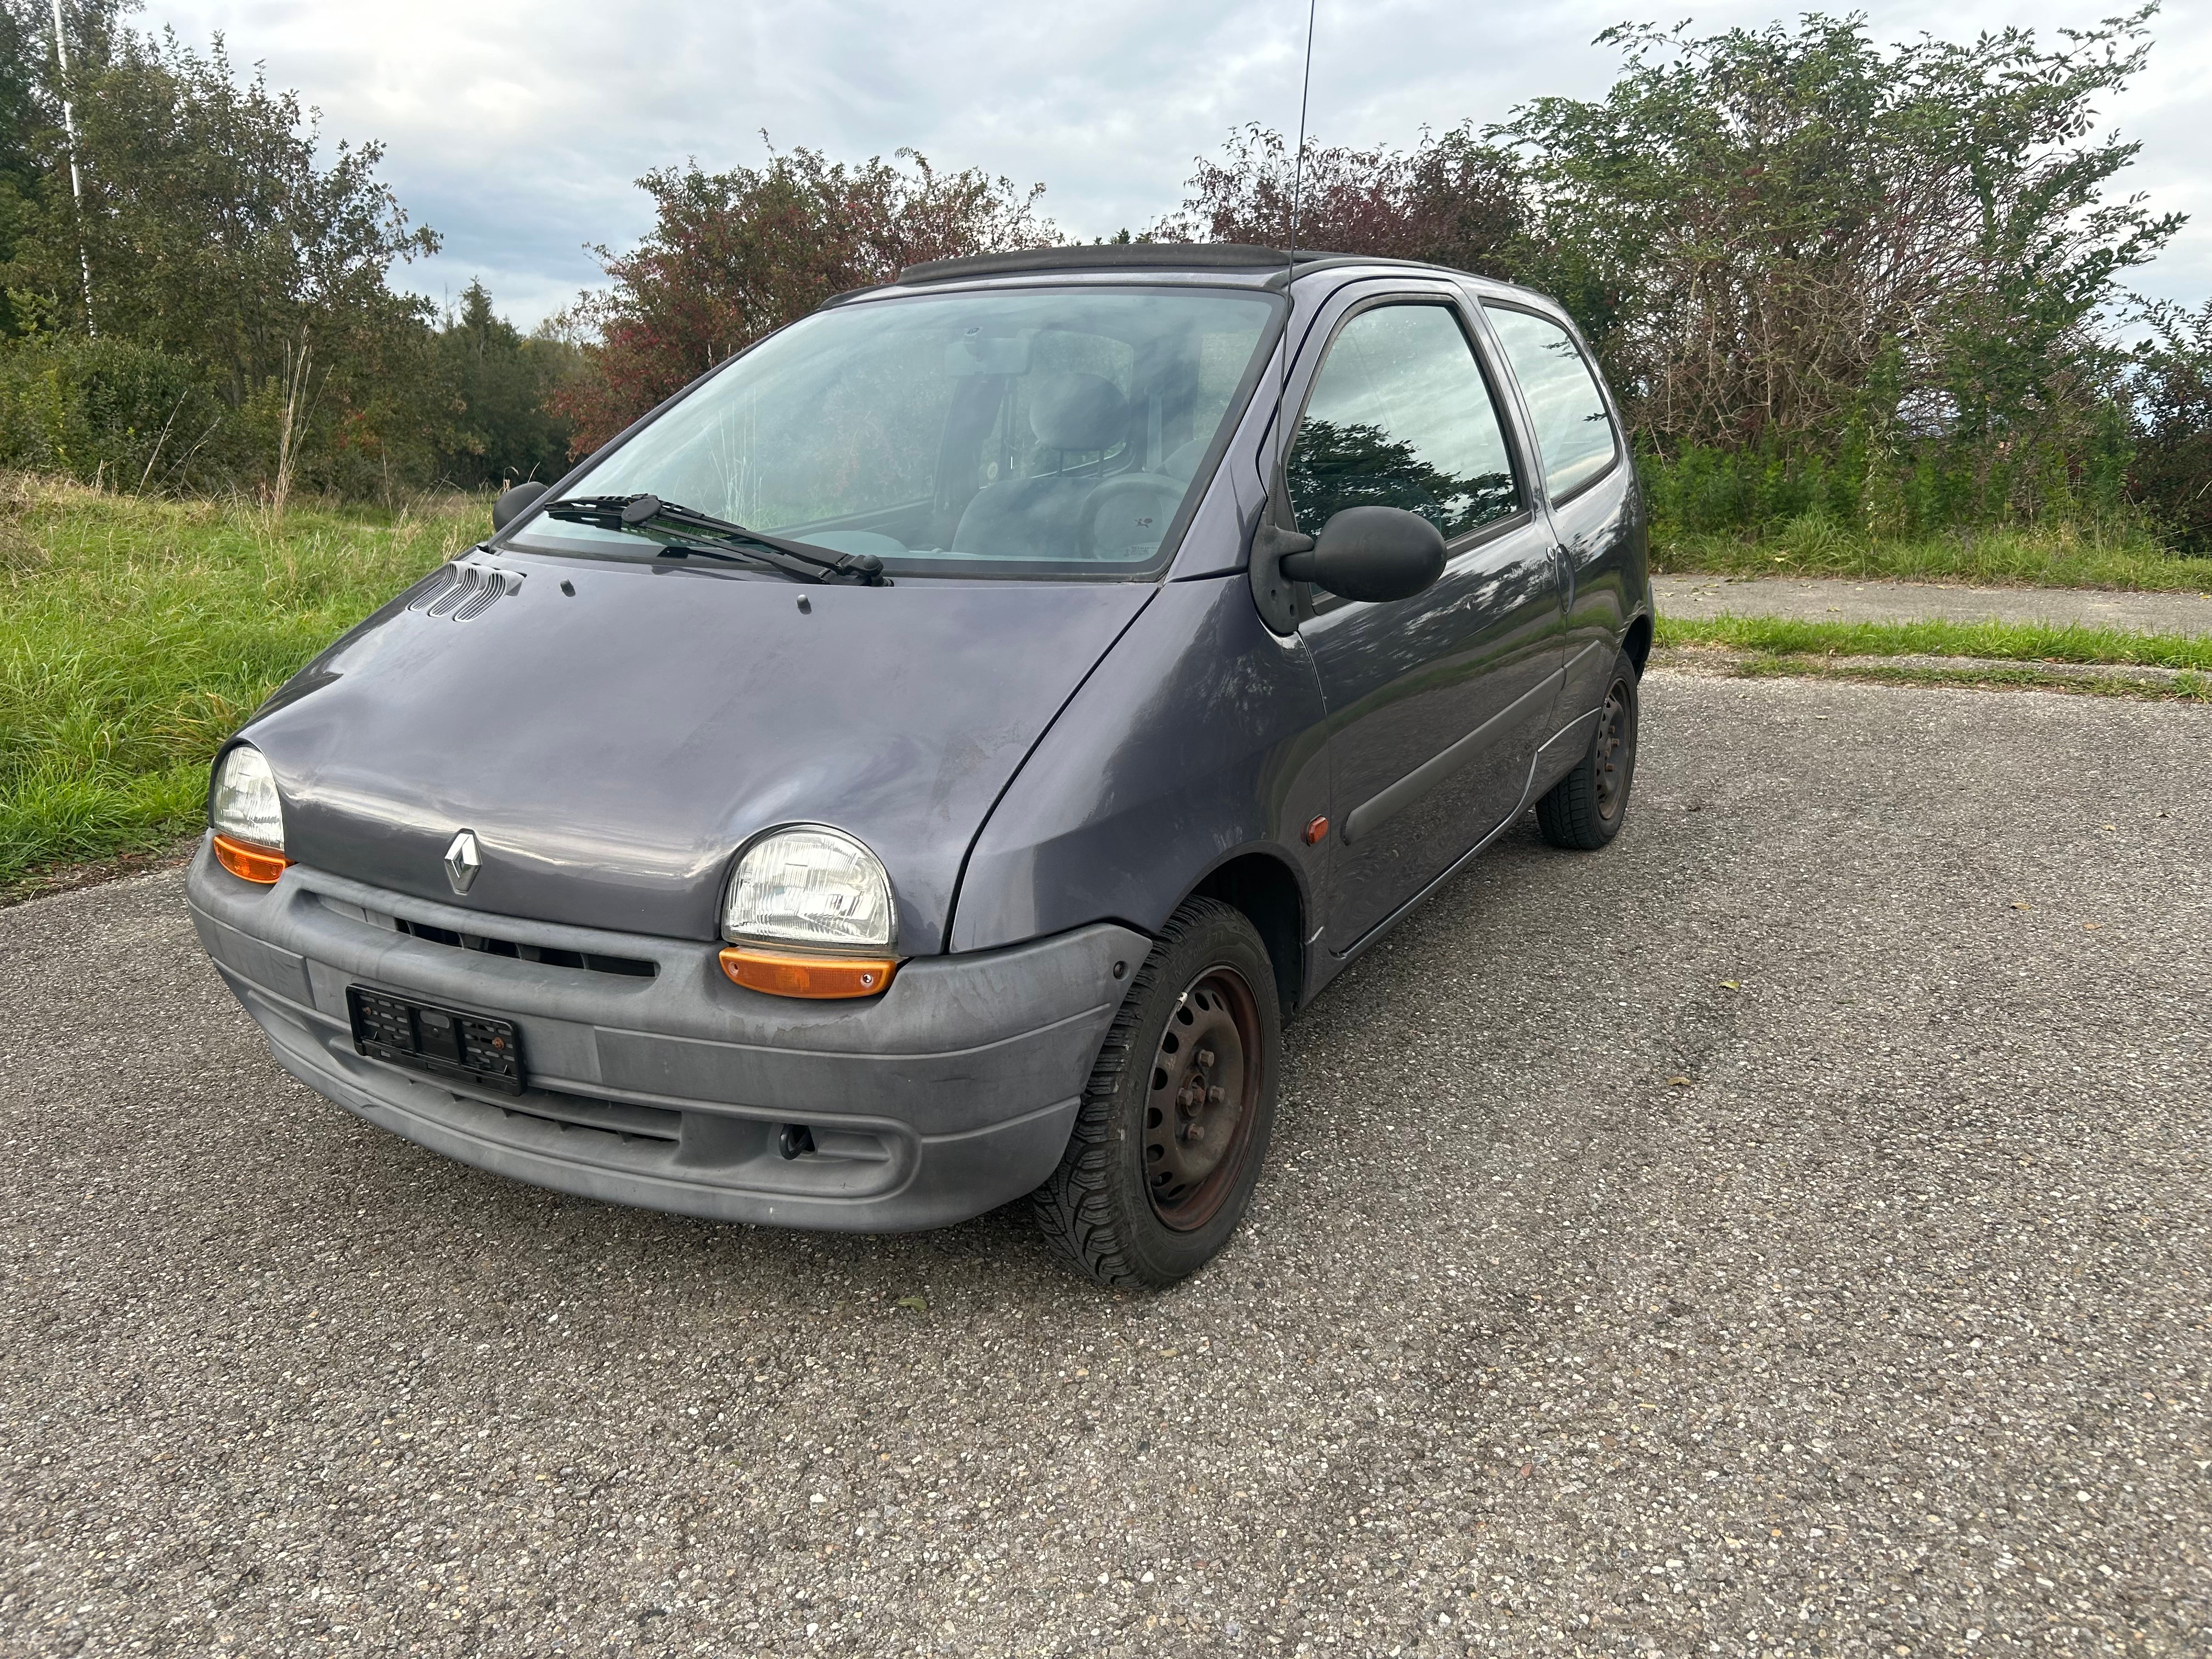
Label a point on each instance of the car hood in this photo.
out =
(612, 747)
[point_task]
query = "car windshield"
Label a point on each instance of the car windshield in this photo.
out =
(1032, 432)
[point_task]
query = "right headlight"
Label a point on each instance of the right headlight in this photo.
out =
(244, 804)
(247, 818)
(809, 884)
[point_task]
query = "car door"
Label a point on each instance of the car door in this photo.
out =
(1589, 488)
(1435, 704)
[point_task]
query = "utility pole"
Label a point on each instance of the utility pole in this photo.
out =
(76, 183)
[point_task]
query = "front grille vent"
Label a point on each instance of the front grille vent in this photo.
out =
(466, 587)
(553, 956)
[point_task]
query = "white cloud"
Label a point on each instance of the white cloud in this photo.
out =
(517, 130)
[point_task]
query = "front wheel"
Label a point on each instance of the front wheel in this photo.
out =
(1585, 808)
(1174, 1123)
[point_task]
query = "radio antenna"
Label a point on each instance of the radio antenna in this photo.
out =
(1297, 185)
(1271, 543)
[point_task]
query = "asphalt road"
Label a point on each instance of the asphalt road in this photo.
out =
(1784, 1232)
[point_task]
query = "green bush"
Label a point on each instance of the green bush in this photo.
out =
(105, 410)
(1912, 489)
(2171, 470)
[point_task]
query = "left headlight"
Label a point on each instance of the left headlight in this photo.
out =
(244, 806)
(810, 885)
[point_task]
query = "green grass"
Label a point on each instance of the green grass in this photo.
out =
(2024, 642)
(2062, 556)
(136, 635)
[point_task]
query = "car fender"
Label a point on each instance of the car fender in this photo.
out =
(1200, 737)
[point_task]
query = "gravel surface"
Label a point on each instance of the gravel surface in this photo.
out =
(1693, 596)
(1784, 1232)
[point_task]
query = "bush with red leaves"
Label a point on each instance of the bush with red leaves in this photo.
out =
(1450, 199)
(733, 256)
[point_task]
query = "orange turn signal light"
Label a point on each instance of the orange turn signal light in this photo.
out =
(248, 862)
(781, 973)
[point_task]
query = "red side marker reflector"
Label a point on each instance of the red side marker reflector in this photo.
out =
(248, 862)
(1316, 831)
(784, 973)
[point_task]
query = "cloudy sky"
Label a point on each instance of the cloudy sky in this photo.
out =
(517, 130)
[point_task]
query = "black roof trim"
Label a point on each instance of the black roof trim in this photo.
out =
(1272, 264)
(1311, 262)
(1101, 255)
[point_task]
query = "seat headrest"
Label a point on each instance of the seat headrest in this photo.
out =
(1181, 463)
(1078, 412)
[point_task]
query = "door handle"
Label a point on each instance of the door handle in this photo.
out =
(1566, 576)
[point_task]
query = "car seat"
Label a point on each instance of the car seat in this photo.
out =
(1039, 517)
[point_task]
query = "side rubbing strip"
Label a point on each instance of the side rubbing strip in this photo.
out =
(1373, 814)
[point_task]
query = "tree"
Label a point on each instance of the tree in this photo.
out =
(732, 256)
(497, 382)
(1450, 199)
(1776, 234)
(215, 229)
(21, 122)
(224, 239)
(32, 142)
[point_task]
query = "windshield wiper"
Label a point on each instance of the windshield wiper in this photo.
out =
(645, 516)
(755, 560)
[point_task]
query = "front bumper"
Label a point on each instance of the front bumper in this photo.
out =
(951, 1093)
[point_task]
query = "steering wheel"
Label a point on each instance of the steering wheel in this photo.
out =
(1130, 511)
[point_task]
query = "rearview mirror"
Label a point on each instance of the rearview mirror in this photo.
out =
(514, 504)
(1372, 553)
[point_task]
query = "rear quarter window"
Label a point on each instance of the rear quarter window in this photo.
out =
(1574, 431)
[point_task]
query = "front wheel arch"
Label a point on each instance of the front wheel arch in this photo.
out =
(1267, 891)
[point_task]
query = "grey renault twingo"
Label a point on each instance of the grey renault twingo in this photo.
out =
(923, 763)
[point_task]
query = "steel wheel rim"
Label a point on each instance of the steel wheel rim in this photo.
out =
(1200, 1099)
(1615, 748)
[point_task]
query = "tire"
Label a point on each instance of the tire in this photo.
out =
(1585, 809)
(1159, 1168)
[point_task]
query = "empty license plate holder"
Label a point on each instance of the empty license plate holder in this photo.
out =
(447, 1042)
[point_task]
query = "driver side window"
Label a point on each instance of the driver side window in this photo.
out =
(1400, 416)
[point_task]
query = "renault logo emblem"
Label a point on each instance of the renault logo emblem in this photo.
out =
(463, 860)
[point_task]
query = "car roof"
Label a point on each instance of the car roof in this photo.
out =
(1240, 263)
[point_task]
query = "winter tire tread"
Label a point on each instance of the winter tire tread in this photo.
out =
(1093, 1206)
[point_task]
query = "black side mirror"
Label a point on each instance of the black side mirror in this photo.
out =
(514, 504)
(1372, 553)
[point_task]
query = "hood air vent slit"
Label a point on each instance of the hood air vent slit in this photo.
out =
(466, 588)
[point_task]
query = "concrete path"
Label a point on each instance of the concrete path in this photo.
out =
(1783, 1233)
(1691, 596)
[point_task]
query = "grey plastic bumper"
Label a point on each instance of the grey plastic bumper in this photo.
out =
(951, 1093)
